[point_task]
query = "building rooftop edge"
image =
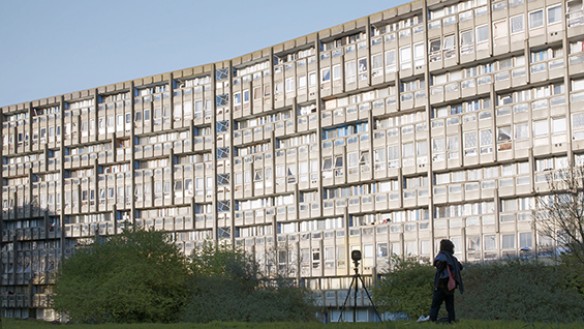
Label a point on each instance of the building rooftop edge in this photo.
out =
(382, 15)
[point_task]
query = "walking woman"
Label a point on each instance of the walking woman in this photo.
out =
(446, 279)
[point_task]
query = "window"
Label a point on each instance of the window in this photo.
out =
(382, 250)
(577, 84)
(311, 80)
(316, 257)
(540, 128)
(578, 124)
(576, 47)
(237, 98)
(536, 19)
(337, 72)
(554, 14)
(390, 61)
(449, 46)
(575, 14)
(327, 163)
(559, 126)
(325, 75)
(516, 24)
(499, 5)
(246, 95)
(482, 33)
(435, 45)
(407, 150)
(466, 42)
(508, 241)
(525, 241)
(258, 175)
(486, 141)
(376, 65)
(521, 131)
(470, 143)
(405, 58)
(362, 68)
(301, 84)
(504, 137)
(489, 242)
(350, 72)
(289, 85)
(419, 58)
(539, 56)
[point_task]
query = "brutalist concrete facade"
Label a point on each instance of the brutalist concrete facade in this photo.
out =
(435, 119)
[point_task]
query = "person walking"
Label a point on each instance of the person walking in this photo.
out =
(446, 279)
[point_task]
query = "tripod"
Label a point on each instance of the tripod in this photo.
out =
(356, 256)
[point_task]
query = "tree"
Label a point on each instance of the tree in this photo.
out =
(137, 276)
(227, 285)
(407, 288)
(560, 214)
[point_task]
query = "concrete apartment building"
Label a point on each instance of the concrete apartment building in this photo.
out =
(435, 119)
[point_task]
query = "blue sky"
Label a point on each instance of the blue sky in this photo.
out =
(53, 47)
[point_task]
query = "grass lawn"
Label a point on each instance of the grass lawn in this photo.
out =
(464, 324)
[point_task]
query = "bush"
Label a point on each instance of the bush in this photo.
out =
(573, 269)
(518, 291)
(408, 288)
(137, 276)
(227, 285)
(142, 277)
(524, 291)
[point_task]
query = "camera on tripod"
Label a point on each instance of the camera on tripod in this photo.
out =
(356, 257)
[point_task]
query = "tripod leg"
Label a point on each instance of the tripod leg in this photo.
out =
(353, 281)
(370, 299)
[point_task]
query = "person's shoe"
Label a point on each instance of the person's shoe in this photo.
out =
(423, 318)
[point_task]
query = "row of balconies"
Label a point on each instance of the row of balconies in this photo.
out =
(451, 193)
(279, 129)
(24, 211)
(341, 175)
(442, 227)
(343, 115)
(205, 143)
(249, 136)
(79, 230)
(30, 233)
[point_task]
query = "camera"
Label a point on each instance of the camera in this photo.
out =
(356, 255)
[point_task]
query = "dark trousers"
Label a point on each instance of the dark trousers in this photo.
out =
(442, 295)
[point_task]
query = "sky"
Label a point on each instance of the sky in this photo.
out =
(54, 47)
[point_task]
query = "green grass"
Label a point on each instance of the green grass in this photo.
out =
(464, 324)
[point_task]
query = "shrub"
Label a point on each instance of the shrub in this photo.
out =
(138, 276)
(408, 288)
(518, 291)
(227, 285)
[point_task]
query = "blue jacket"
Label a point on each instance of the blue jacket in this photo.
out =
(443, 259)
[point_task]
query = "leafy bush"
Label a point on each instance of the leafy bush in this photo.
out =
(227, 285)
(518, 291)
(408, 288)
(573, 269)
(137, 276)
(142, 277)
(513, 290)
